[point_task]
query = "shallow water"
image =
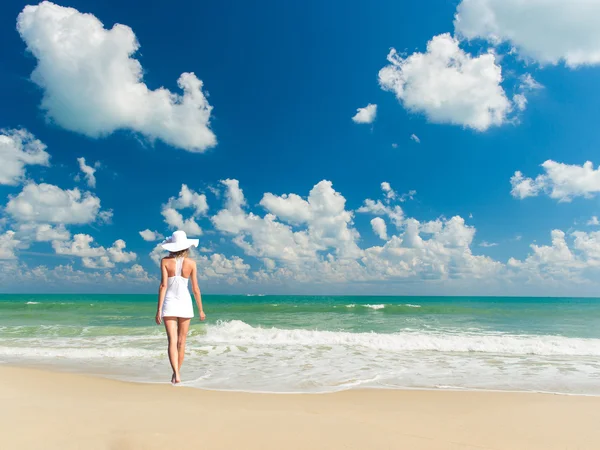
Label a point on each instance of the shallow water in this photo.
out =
(318, 344)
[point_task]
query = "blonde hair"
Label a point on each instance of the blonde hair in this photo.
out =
(180, 253)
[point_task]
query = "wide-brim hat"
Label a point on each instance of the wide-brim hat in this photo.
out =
(178, 242)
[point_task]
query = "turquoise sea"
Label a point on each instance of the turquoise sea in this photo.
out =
(318, 344)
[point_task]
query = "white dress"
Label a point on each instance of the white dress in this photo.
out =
(178, 301)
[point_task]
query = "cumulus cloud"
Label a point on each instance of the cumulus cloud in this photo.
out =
(66, 275)
(137, 273)
(93, 85)
(415, 138)
(8, 244)
(157, 254)
(525, 85)
(219, 267)
(117, 253)
(187, 199)
(94, 257)
(43, 232)
(379, 228)
(79, 246)
(19, 148)
(366, 114)
(290, 241)
(387, 189)
(448, 85)
(149, 235)
(439, 250)
(88, 171)
(574, 257)
(377, 207)
(547, 31)
(593, 221)
(46, 203)
(326, 223)
(560, 181)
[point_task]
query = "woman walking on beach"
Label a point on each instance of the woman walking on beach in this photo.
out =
(175, 306)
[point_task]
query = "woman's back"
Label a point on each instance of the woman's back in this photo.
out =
(177, 282)
(185, 265)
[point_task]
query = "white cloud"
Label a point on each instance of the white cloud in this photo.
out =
(149, 235)
(88, 172)
(377, 207)
(415, 138)
(8, 244)
(93, 85)
(79, 246)
(19, 148)
(43, 232)
(526, 84)
(408, 196)
(94, 257)
(105, 216)
(117, 253)
(157, 254)
(65, 275)
(299, 253)
(394, 145)
(291, 208)
(326, 224)
(379, 228)
(137, 273)
(445, 254)
(593, 221)
(560, 262)
(366, 114)
(186, 199)
(488, 244)
(448, 85)
(218, 266)
(560, 181)
(523, 187)
(387, 189)
(547, 31)
(47, 203)
(520, 101)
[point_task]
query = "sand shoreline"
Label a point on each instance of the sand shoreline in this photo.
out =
(108, 375)
(51, 410)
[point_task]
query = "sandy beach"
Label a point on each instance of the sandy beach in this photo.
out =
(49, 410)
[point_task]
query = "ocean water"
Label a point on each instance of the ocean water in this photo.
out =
(318, 344)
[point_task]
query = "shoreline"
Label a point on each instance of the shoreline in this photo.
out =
(65, 370)
(107, 376)
(68, 411)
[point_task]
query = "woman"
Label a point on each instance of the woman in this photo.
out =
(174, 301)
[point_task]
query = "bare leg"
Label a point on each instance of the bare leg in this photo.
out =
(171, 327)
(183, 325)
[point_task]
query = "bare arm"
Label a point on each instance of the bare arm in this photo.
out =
(196, 291)
(162, 290)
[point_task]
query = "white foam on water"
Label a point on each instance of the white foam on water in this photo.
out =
(240, 333)
(374, 306)
(412, 306)
(234, 355)
(32, 303)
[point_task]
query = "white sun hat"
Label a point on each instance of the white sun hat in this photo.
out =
(179, 241)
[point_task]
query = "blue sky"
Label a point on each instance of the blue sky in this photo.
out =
(282, 83)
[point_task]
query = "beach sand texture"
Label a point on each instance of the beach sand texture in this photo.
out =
(49, 410)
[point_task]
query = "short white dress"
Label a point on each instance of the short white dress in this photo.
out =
(178, 301)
